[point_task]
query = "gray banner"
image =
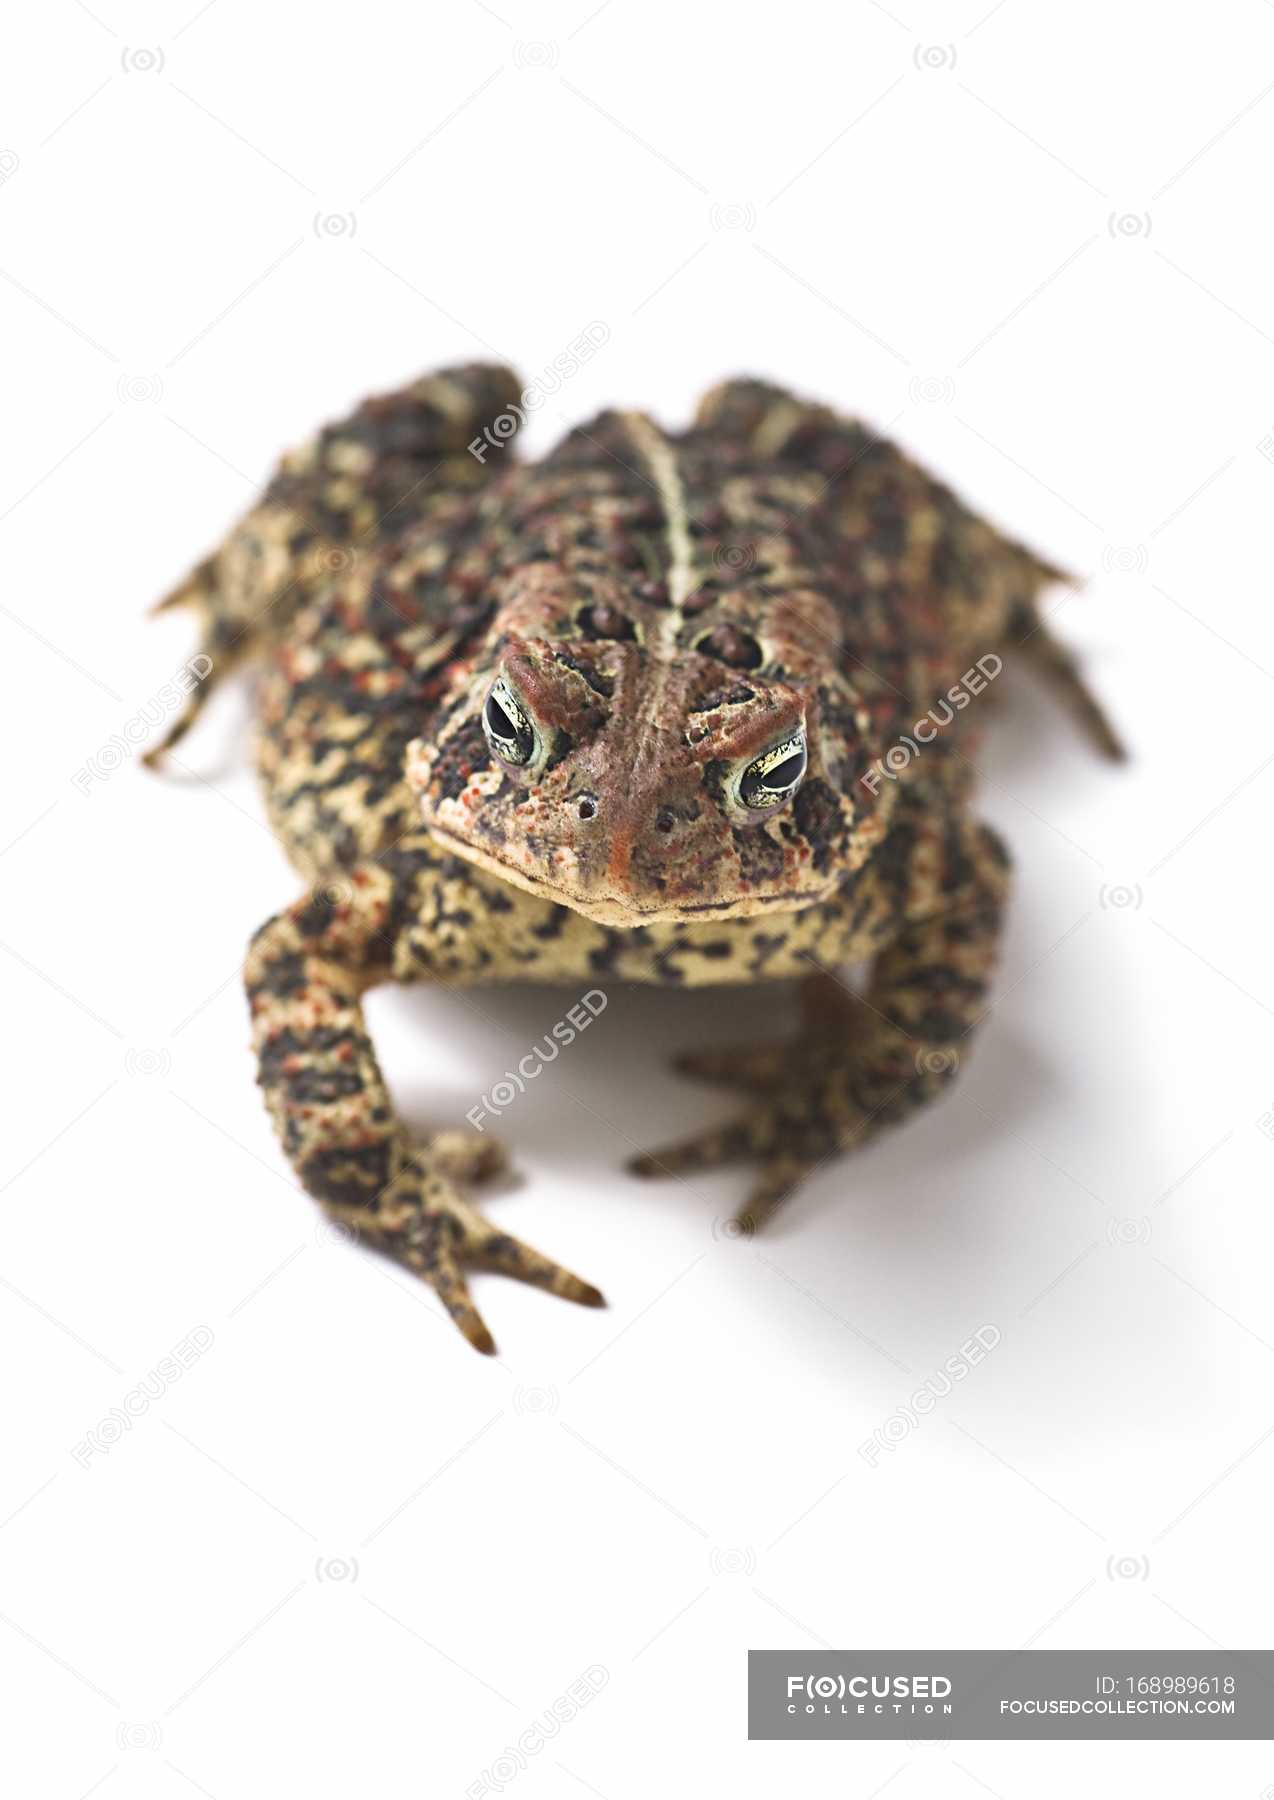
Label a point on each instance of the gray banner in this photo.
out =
(955, 1694)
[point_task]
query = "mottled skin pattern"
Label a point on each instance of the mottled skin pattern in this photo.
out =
(662, 611)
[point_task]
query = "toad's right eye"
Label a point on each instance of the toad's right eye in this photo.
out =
(509, 729)
(773, 778)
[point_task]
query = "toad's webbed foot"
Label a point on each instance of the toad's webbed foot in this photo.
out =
(810, 1101)
(423, 1220)
(802, 1109)
(802, 1112)
(859, 1063)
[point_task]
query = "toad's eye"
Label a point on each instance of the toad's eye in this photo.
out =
(509, 729)
(770, 780)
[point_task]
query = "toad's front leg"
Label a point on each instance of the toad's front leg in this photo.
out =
(306, 973)
(862, 1063)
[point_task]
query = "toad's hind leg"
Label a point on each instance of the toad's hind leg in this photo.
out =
(306, 973)
(395, 460)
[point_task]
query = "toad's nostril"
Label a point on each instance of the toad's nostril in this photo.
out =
(664, 819)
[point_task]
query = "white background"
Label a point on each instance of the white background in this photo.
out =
(344, 1554)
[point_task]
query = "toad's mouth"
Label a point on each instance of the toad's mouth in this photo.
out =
(604, 909)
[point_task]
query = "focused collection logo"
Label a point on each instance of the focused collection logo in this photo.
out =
(863, 1694)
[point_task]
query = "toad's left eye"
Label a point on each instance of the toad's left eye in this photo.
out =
(509, 729)
(773, 778)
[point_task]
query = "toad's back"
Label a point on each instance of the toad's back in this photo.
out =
(772, 539)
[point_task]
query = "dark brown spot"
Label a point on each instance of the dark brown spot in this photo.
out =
(605, 621)
(704, 596)
(730, 645)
